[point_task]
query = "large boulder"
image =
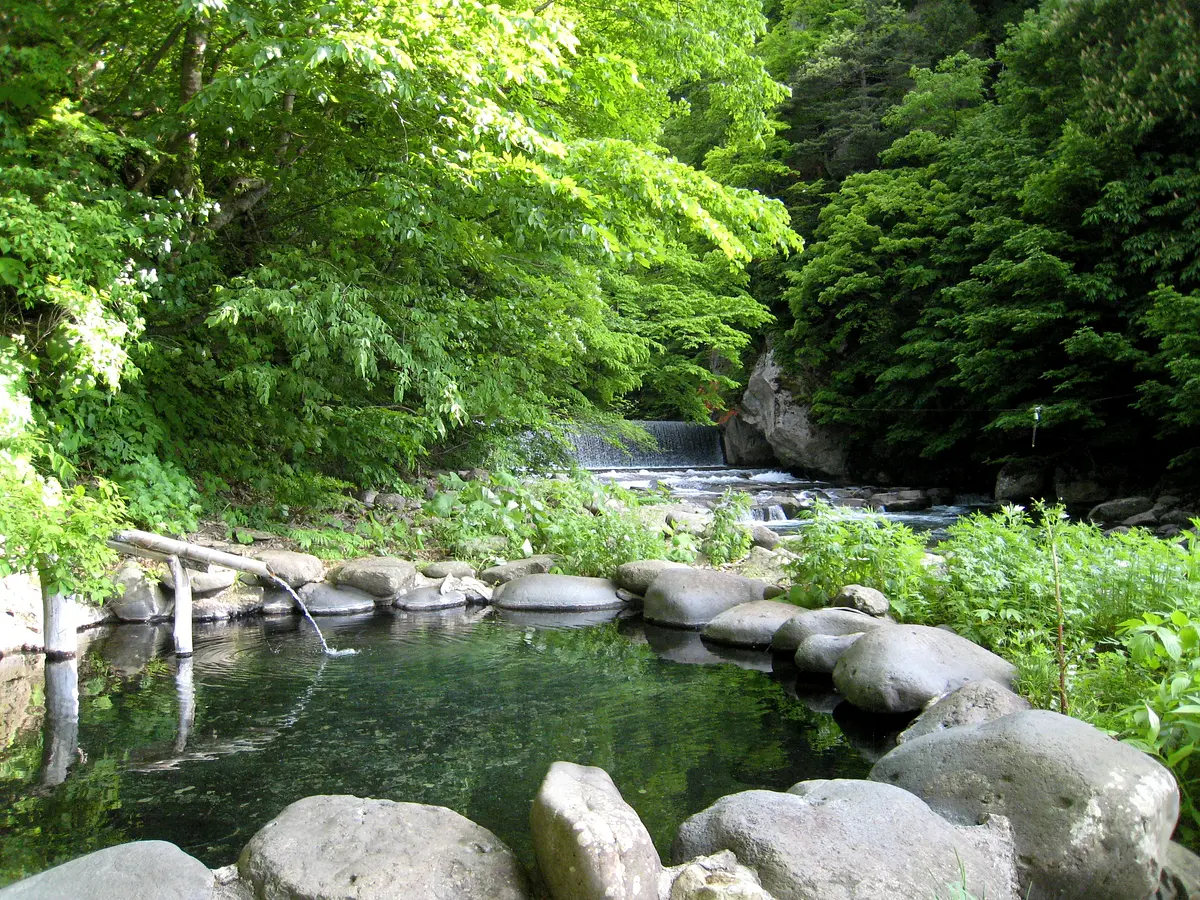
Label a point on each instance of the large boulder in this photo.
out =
(324, 599)
(296, 569)
(833, 621)
(1119, 510)
(637, 576)
(749, 624)
(590, 844)
(901, 668)
(848, 840)
(770, 407)
(216, 579)
(818, 654)
(691, 598)
(1022, 480)
(335, 847)
(518, 568)
(974, 703)
(20, 615)
(1092, 817)
(379, 576)
(142, 870)
(564, 593)
(142, 598)
(746, 445)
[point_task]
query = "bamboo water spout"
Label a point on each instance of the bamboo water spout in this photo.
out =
(154, 546)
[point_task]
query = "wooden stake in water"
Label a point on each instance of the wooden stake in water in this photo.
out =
(183, 606)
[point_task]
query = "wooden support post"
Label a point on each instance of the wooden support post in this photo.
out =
(58, 624)
(60, 739)
(183, 606)
(185, 693)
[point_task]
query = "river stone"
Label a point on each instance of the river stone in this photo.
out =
(691, 598)
(830, 621)
(1180, 878)
(294, 568)
(336, 847)
(1120, 509)
(1092, 817)
(324, 599)
(143, 599)
(590, 844)
(380, 576)
(636, 577)
(749, 624)
(142, 870)
(851, 841)
(430, 598)
(974, 703)
(818, 653)
(901, 668)
(864, 599)
(203, 583)
(242, 600)
(449, 567)
(278, 602)
(716, 877)
(762, 536)
(518, 568)
(1021, 480)
(558, 592)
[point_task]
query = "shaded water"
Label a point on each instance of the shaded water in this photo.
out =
(448, 709)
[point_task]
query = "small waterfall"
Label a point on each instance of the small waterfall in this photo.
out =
(681, 445)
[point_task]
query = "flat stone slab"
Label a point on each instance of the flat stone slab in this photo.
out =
(900, 668)
(590, 844)
(1091, 817)
(691, 598)
(749, 624)
(296, 569)
(558, 593)
(324, 599)
(142, 870)
(846, 839)
(380, 576)
(338, 847)
(430, 598)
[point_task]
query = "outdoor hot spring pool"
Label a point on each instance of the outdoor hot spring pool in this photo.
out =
(451, 709)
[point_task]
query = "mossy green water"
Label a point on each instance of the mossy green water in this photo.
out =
(443, 709)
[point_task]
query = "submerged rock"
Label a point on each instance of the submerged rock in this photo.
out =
(379, 576)
(691, 598)
(142, 870)
(749, 624)
(590, 844)
(324, 599)
(901, 668)
(562, 593)
(295, 569)
(333, 847)
(1092, 817)
(848, 839)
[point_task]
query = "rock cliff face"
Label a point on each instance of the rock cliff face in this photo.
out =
(770, 408)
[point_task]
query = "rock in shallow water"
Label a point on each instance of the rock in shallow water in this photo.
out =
(637, 576)
(848, 840)
(749, 624)
(334, 847)
(562, 593)
(142, 598)
(691, 598)
(589, 842)
(1091, 817)
(326, 600)
(142, 870)
(901, 668)
(430, 598)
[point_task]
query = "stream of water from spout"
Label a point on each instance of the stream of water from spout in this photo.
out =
(325, 648)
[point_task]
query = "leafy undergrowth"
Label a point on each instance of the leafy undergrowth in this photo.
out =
(1130, 612)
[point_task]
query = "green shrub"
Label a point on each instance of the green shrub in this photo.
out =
(159, 496)
(727, 539)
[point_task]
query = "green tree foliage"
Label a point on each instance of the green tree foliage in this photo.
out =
(1028, 241)
(240, 238)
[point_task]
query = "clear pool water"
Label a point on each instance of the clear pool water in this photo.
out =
(450, 709)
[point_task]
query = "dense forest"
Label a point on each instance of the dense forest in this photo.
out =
(254, 248)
